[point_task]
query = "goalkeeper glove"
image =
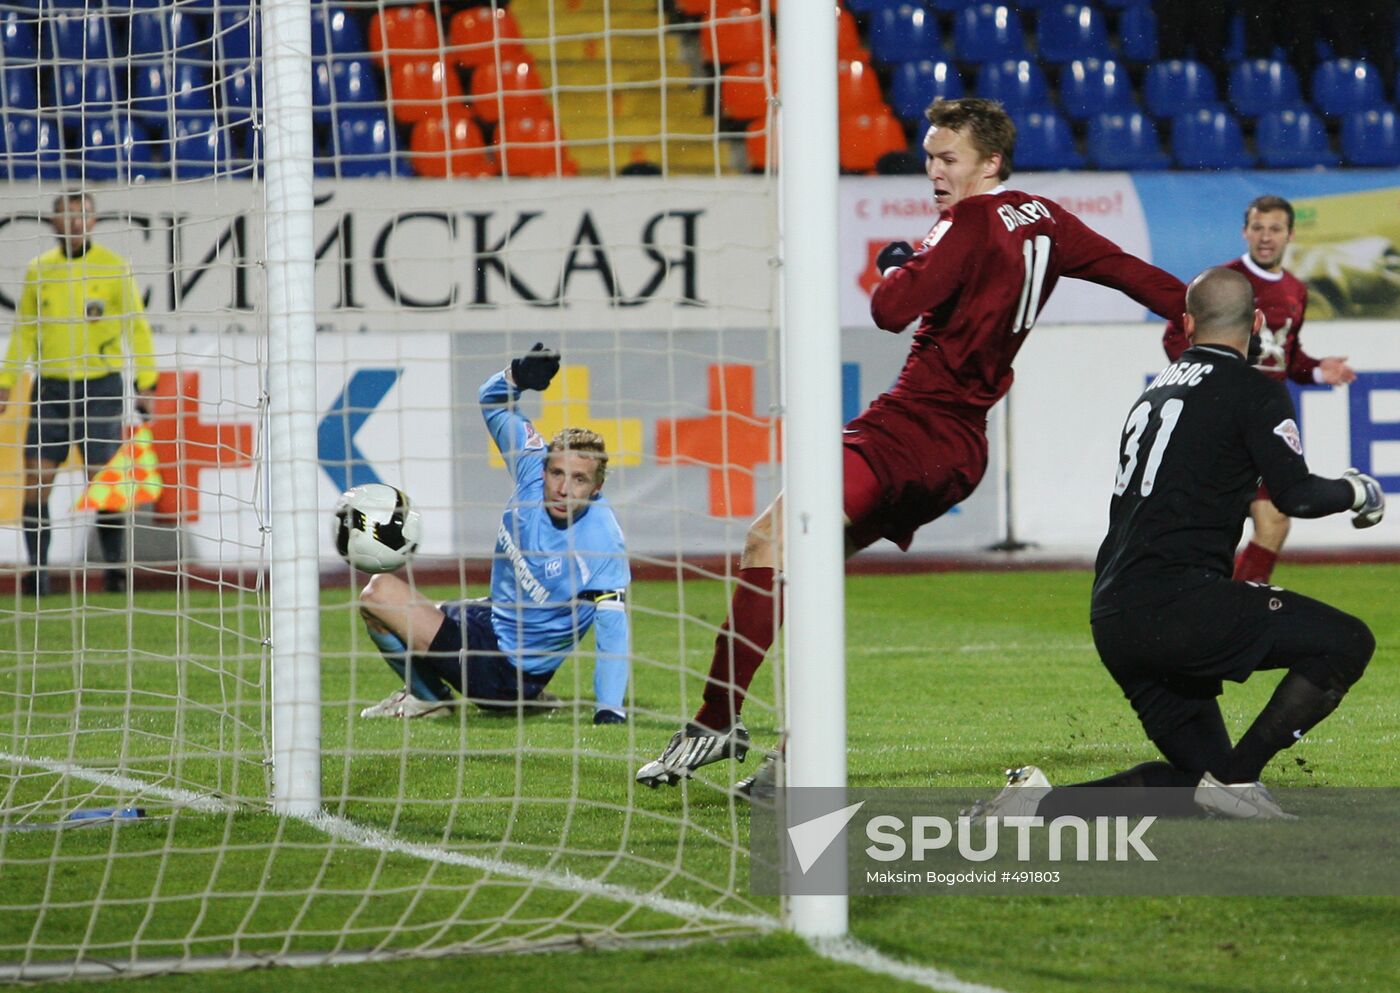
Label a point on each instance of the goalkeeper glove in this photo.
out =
(536, 368)
(893, 256)
(1370, 499)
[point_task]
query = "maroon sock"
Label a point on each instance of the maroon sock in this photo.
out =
(740, 647)
(1255, 564)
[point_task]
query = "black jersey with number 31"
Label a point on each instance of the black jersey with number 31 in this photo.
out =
(1190, 457)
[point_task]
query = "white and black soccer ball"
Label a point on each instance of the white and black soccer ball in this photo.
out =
(375, 529)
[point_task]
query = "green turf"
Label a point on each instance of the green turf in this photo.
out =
(952, 677)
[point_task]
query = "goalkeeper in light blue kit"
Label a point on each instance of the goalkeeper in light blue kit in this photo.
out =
(560, 568)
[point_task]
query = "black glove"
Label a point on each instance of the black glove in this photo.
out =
(536, 368)
(1370, 499)
(608, 717)
(894, 255)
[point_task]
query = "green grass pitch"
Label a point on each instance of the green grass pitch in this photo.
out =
(951, 678)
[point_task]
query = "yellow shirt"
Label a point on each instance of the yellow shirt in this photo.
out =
(72, 317)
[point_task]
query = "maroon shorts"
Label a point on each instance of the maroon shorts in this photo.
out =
(908, 464)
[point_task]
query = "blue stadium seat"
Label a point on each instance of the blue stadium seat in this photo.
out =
(335, 31)
(198, 147)
(364, 144)
(1044, 141)
(75, 34)
(988, 33)
(858, 7)
(1293, 138)
(149, 87)
(1126, 141)
(1069, 31)
(1179, 86)
(1137, 33)
(1341, 86)
(33, 147)
(342, 82)
(83, 90)
(239, 37)
(915, 85)
(118, 149)
(1261, 85)
(243, 90)
(19, 87)
(157, 33)
(1019, 84)
(905, 33)
(18, 41)
(951, 6)
(1371, 138)
(1209, 139)
(1096, 86)
(191, 88)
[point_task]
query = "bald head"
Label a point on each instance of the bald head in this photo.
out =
(1220, 309)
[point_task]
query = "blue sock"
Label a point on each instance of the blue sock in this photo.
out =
(395, 652)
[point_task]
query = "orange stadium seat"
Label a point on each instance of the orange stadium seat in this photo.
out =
(473, 36)
(742, 93)
(419, 89)
(450, 145)
(866, 137)
(711, 8)
(857, 88)
(737, 35)
(757, 144)
(399, 33)
(531, 147)
(510, 89)
(848, 43)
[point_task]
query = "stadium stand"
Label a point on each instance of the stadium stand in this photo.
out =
(1371, 138)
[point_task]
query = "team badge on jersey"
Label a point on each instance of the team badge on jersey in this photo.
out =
(532, 438)
(1288, 431)
(554, 568)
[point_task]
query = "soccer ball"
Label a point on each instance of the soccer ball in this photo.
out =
(374, 528)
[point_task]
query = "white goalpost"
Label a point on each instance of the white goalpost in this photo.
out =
(341, 220)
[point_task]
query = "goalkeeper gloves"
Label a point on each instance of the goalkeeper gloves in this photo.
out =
(893, 256)
(535, 369)
(1370, 499)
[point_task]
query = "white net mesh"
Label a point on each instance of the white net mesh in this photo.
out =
(135, 723)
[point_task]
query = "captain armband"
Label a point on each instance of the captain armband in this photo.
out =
(605, 599)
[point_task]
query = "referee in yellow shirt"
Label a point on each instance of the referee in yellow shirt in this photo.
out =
(78, 322)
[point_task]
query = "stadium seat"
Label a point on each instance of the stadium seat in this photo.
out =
(243, 90)
(743, 92)
(510, 89)
(420, 89)
(951, 6)
(198, 147)
(1137, 33)
(345, 82)
(19, 87)
(191, 89)
(239, 38)
(866, 137)
(736, 35)
(1044, 140)
(1293, 138)
(33, 147)
(149, 87)
(76, 35)
(905, 33)
(1069, 31)
(397, 34)
(1018, 83)
(450, 145)
(915, 85)
(18, 40)
(756, 145)
(159, 33)
(364, 143)
(849, 44)
(988, 33)
(83, 90)
(1126, 141)
(857, 88)
(1178, 86)
(1371, 138)
(1261, 85)
(1209, 139)
(531, 146)
(335, 32)
(118, 149)
(476, 34)
(1341, 86)
(1096, 86)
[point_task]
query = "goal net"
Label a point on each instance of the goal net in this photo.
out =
(587, 174)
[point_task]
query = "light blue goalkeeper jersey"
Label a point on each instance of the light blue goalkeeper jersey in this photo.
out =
(551, 583)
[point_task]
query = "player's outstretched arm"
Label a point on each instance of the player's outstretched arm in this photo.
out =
(613, 663)
(536, 368)
(510, 430)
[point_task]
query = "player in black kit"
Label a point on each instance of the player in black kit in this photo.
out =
(1169, 623)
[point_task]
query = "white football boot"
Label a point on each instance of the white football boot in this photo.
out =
(692, 747)
(1238, 800)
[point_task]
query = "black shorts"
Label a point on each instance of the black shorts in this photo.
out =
(1171, 659)
(466, 654)
(86, 412)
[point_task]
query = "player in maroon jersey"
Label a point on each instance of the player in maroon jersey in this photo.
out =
(976, 284)
(1268, 228)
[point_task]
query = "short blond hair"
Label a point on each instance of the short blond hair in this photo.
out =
(584, 442)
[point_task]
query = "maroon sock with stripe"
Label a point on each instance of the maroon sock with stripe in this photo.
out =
(754, 617)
